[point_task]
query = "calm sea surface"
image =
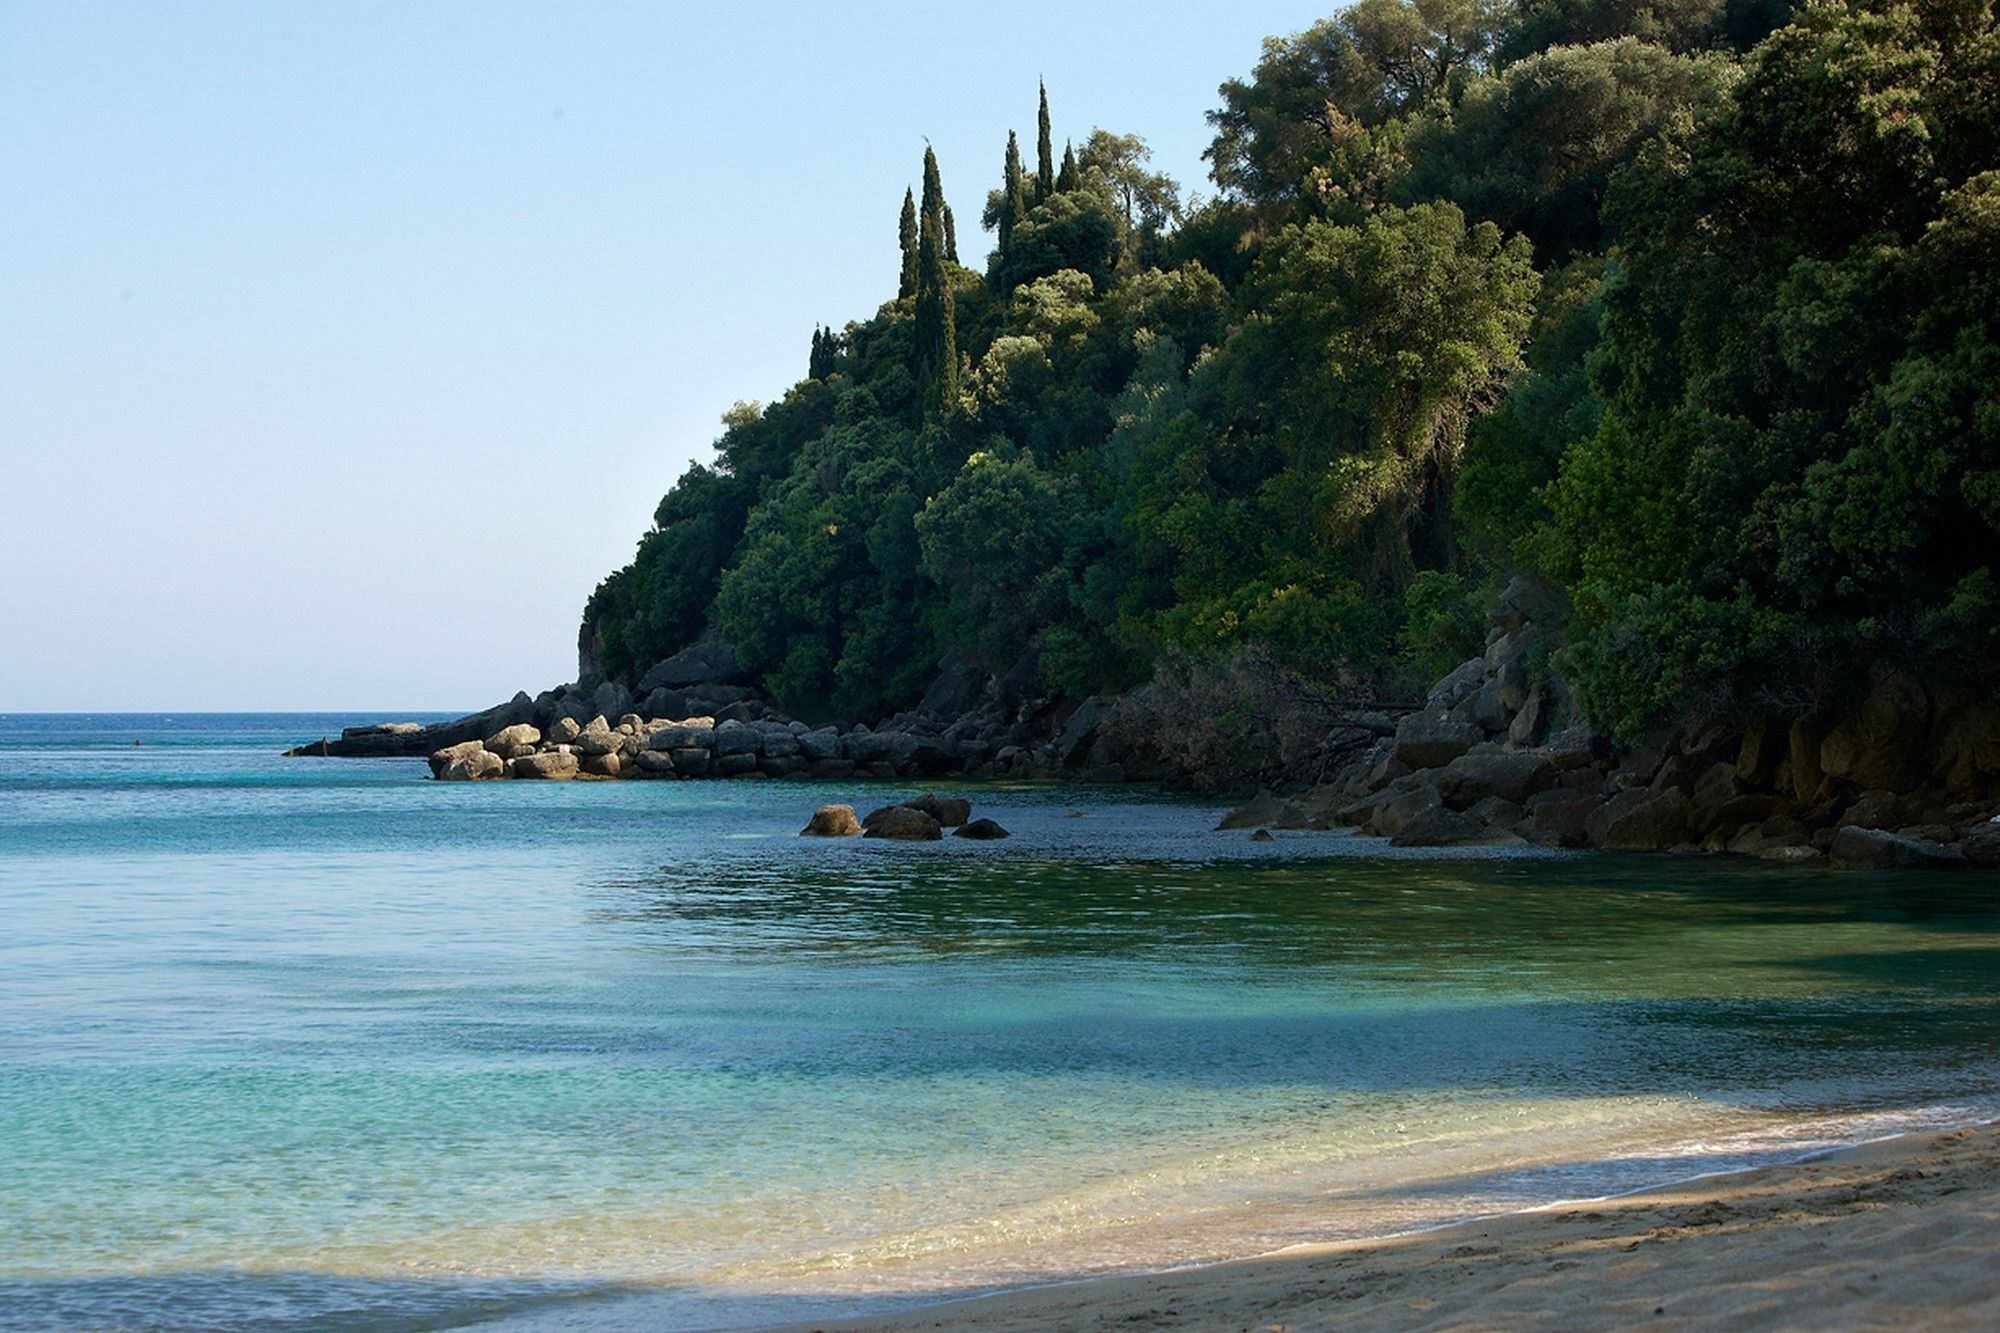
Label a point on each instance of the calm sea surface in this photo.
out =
(323, 1043)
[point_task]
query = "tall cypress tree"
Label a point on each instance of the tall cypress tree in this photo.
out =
(950, 236)
(936, 336)
(906, 233)
(1069, 177)
(1014, 205)
(1045, 152)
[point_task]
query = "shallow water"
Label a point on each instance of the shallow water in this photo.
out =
(321, 1042)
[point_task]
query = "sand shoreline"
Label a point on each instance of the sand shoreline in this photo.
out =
(1898, 1232)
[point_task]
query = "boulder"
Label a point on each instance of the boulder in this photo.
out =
(1528, 599)
(980, 830)
(1433, 738)
(1402, 810)
(821, 743)
(474, 765)
(564, 730)
(957, 690)
(653, 763)
(1573, 748)
(832, 821)
(830, 768)
(1460, 684)
(1266, 810)
(543, 764)
(695, 733)
(1512, 775)
(709, 661)
(1496, 812)
(1072, 745)
(442, 759)
(949, 811)
(741, 763)
(1560, 816)
(597, 738)
(692, 761)
(1982, 846)
(512, 742)
(1639, 821)
(736, 738)
(1531, 722)
(1880, 743)
(1874, 810)
(902, 824)
(1439, 827)
(608, 765)
(610, 699)
(1857, 848)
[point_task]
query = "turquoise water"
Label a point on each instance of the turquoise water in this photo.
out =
(322, 1043)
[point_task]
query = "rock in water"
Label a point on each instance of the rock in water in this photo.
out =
(950, 811)
(832, 821)
(547, 764)
(478, 763)
(902, 824)
(1266, 811)
(980, 830)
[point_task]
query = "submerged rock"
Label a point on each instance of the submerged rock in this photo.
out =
(980, 830)
(1265, 811)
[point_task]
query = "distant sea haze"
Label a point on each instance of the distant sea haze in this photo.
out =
(290, 1042)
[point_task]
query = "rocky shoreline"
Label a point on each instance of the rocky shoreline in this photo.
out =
(1905, 775)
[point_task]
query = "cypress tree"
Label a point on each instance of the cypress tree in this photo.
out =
(1045, 153)
(1015, 205)
(1068, 178)
(936, 337)
(950, 236)
(907, 235)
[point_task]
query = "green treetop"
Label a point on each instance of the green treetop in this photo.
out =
(1045, 153)
(1068, 178)
(906, 233)
(936, 360)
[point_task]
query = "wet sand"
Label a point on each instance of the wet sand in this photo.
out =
(1903, 1233)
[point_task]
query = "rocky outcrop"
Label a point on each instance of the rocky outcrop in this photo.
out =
(900, 823)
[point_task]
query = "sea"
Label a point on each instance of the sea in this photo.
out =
(322, 1043)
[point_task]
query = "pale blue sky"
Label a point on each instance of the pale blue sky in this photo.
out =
(346, 346)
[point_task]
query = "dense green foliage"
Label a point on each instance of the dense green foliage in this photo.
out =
(1688, 304)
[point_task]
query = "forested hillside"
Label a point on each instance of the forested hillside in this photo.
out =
(1689, 306)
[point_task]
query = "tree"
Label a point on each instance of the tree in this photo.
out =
(936, 366)
(1067, 178)
(1045, 159)
(1013, 193)
(950, 236)
(1533, 147)
(906, 235)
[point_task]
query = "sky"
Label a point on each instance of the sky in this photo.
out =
(344, 348)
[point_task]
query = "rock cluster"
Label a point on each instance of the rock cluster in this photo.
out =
(922, 820)
(1903, 778)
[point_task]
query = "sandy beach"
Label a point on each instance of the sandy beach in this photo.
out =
(1902, 1233)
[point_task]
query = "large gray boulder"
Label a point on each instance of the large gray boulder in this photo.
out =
(901, 824)
(1511, 775)
(1433, 738)
(1858, 848)
(1460, 684)
(710, 661)
(733, 738)
(691, 733)
(1640, 821)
